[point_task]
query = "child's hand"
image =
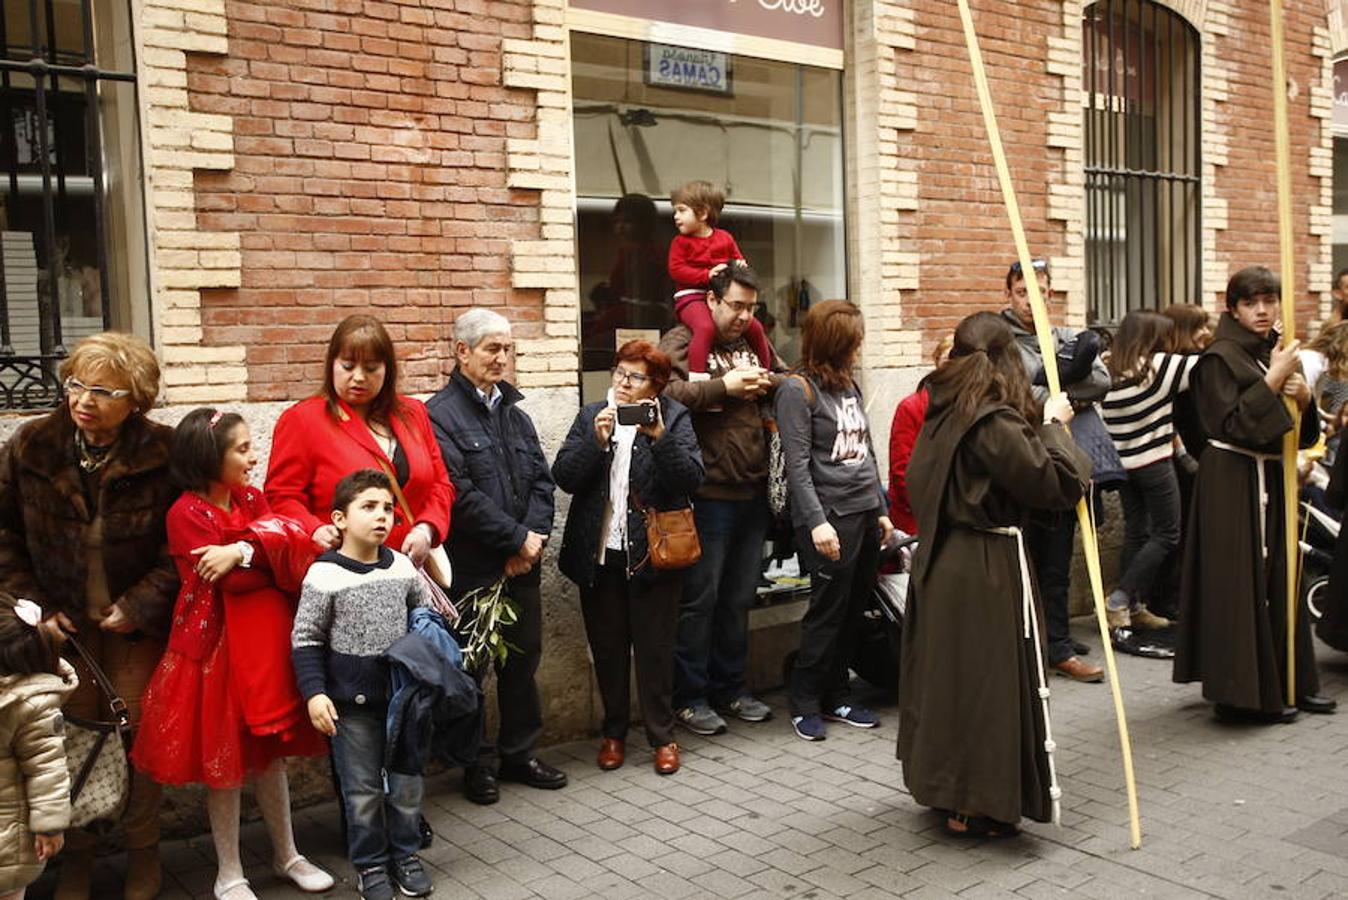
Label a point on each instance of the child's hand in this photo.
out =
(742, 262)
(716, 270)
(48, 845)
(216, 561)
(322, 714)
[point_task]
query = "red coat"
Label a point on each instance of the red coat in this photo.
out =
(311, 451)
(908, 419)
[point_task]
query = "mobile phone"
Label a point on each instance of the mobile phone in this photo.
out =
(636, 413)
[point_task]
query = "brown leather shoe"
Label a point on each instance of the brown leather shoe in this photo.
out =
(667, 759)
(77, 867)
(1077, 670)
(612, 752)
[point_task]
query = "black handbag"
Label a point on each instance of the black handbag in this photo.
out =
(96, 755)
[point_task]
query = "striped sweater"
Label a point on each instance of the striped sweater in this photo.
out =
(1140, 416)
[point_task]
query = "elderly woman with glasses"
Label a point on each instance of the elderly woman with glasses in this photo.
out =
(616, 469)
(83, 496)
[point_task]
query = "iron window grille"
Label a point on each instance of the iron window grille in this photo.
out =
(1143, 158)
(55, 285)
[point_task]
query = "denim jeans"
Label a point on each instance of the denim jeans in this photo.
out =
(383, 810)
(1151, 523)
(712, 646)
(1049, 540)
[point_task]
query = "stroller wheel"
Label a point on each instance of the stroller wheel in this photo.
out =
(1315, 593)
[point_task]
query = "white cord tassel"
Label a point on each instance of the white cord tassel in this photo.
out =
(1031, 633)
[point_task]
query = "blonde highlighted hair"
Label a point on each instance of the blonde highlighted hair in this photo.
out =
(120, 355)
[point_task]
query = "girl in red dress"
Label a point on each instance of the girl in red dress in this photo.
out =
(218, 711)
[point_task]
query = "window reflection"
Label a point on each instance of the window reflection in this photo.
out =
(773, 143)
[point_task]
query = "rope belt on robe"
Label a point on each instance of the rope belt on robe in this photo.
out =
(1259, 460)
(1031, 633)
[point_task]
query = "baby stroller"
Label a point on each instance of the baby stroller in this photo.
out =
(875, 657)
(1319, 533)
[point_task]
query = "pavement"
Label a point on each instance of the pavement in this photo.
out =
(1238, 811)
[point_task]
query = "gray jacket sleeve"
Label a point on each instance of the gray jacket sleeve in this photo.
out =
(794, 423)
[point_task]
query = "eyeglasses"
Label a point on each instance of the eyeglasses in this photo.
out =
(1040, 265)
(636, 379)
(77, 388)
(738, 308)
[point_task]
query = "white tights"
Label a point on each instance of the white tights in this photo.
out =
(273, 799)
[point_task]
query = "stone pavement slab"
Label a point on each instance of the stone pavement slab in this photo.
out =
(1227, 811)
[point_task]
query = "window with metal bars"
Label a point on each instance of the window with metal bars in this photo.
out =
(1143, 158)
(72, 224)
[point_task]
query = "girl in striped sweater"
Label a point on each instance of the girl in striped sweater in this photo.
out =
(1139, 414)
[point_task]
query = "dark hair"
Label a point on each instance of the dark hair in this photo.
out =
(985, 368)
(1141, 333)
(1338, 276)
(734, 273)
(1013, 274)
(657, 362)
(638, 210)
(199, 445)
(363, 338)
(702, 197)
(1188, 319)
(350, 487)
(1250, 282)
(830, 335)
(24, 650)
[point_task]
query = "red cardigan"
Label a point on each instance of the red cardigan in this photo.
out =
(908, 419)
(311, 451)
(691, 259)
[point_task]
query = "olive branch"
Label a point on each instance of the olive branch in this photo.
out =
(488, 610)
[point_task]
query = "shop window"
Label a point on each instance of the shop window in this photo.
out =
(1142, 159)
(768, 133)
(72, 232)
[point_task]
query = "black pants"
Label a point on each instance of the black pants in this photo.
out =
(839, 592)
(1049, 541)
(517, 701)
(626, 619)
(1151, 519)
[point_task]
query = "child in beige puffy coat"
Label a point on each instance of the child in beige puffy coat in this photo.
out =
(34, 783)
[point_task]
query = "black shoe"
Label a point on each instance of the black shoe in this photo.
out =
(479, 785)
(535, 773)
(1081, 649)
(411, 878)
(1255, 716)
(1316, 703)
(375, 884)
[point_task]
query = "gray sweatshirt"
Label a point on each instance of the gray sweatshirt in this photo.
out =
(830, 461)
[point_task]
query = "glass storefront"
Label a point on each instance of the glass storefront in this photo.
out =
(769, 134)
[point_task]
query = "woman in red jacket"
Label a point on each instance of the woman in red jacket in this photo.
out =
(908, 418)
(359, 421)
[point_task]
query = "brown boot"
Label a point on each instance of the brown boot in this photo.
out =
(77, 868)
(143, 874)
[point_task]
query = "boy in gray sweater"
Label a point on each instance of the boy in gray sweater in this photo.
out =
(353, 606)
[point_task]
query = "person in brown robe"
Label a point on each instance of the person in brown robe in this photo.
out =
(1233, 613)
(973, 729)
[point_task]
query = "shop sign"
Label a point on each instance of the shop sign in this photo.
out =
(1341, 96)
(815, 22)
(683, 67)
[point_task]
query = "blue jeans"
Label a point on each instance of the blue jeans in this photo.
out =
(712, 646)
(383, 810)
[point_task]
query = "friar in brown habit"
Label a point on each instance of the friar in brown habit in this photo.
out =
(973, 729)
(1233, 612)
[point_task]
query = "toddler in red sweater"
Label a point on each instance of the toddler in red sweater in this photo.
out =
(698, 252)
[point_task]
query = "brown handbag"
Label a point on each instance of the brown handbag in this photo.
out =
(671, 537)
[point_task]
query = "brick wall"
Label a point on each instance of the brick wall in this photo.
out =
(959, 227)
(1247, 180)
(369, 174)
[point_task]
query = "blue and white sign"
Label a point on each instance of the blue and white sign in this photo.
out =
(683, 67)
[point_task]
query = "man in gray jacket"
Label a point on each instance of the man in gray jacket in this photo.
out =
(731, 508)
(1050, 536)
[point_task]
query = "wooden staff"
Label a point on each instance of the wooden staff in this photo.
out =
(1048, 349)
(1287, 265)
